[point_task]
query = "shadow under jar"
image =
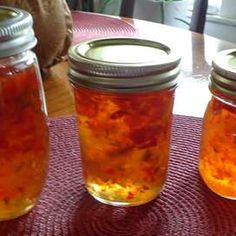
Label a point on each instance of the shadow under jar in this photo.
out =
(124, 93)
(24, 133)
(217, 163)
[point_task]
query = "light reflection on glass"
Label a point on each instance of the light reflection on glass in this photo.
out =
(192, 96)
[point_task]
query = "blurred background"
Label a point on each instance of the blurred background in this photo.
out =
(218, 19)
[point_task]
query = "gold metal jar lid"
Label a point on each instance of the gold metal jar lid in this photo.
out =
(223, 75)
(123, 64)
(16, 32)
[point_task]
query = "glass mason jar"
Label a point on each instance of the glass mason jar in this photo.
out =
(24, 133)
(217, 163)
(124, 92)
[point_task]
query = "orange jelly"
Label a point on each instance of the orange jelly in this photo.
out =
(124, 143)
(217, 157)
(217, 162)
(23, 141)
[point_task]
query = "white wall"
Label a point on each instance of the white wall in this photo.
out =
(216, 25)
(220, 27)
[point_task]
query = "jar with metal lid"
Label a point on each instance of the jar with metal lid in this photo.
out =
(124, 93)
(217, 163)
(23, 128)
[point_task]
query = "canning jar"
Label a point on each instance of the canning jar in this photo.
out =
(24, 133)
(217, 163)
(124, 93)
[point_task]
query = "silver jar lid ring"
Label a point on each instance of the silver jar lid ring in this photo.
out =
(16, 32)
(123, 63)
(224, 63)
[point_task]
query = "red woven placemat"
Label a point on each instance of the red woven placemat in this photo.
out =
(185, 207)
(91, 25)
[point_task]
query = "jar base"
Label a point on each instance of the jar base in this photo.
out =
(226, 197)
(122, 203)
(17, 214)
(221, 195)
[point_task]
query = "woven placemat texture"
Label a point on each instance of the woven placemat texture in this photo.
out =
(185, 207)
(89, 26)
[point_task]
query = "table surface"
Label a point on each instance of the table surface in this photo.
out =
(197, 51)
